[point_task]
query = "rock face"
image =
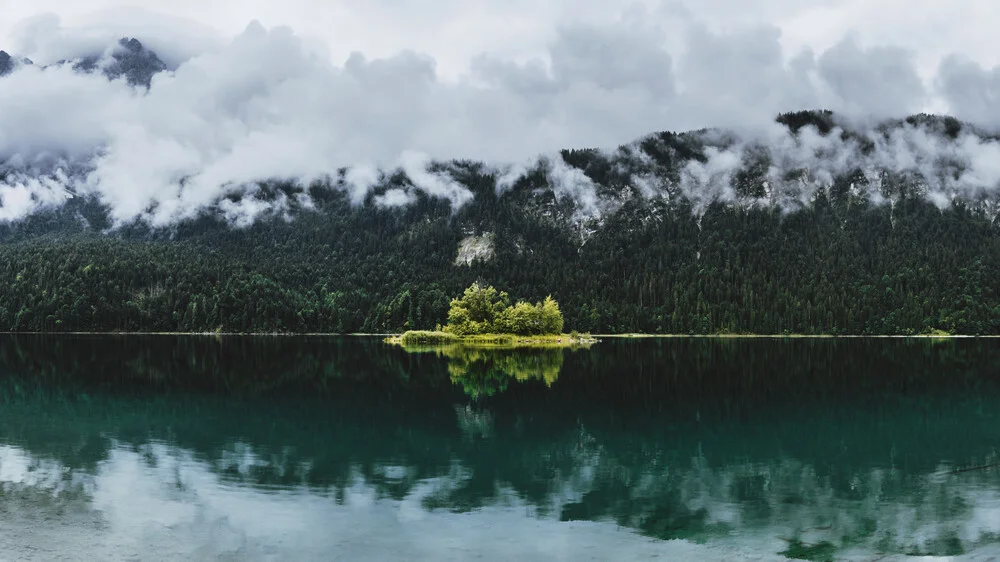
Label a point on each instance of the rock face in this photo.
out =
(6, 63)
(135, 62)
(475, 248)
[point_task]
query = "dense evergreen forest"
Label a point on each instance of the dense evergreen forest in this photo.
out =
(840, 264)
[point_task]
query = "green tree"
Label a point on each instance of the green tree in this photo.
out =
(475, 312)
(483, 309)
(550, 316)
(522, 319)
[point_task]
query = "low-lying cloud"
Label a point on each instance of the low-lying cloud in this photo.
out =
(227, 115)
(792, 169)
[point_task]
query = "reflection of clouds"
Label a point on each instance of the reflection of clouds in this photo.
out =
(474, 423)
(876, 510)
(18, 467)
(985, 515)
(242, 462)
(163, 502)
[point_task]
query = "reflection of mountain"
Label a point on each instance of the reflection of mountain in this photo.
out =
(847, 442)
(233, 366)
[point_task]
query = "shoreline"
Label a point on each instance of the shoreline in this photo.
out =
(794, 336)
(610, 336)
(440, 339)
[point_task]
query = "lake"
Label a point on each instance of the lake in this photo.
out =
(345, 448)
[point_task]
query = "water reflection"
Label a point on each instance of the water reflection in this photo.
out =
(161, 502)
(483, 371)
(256, 448)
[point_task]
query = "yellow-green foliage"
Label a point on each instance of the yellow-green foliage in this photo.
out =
(476, 310)
(417, 338)
(484, 310)
(422, 341)
(490, 339)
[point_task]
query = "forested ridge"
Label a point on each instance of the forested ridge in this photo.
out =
(839, 264)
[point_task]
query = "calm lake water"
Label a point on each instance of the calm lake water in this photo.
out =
(181, 448)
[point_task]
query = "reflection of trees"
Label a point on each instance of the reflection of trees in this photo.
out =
(231, 366)
(485, 372)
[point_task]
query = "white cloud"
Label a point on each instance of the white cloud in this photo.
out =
(45, 39)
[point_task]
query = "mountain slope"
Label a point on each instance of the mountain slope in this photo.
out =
(837, 265)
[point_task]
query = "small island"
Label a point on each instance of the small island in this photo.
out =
(485, 317)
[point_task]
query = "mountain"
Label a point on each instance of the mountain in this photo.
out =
(820, 226)
(838, 263)
(6, 63)
(129, 59)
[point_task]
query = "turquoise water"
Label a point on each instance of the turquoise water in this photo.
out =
(178, 448)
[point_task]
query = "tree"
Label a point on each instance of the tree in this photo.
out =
(522, 319)
(475, 312)
(550, 316)
(483, 310)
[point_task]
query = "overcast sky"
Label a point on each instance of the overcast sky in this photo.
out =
(458, 35)
(454, 31)
(395, 82)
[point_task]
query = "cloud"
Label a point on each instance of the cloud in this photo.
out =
(56, 114)
(972, 91)
(797, 167)
(45, 39)
(740, 79)
(267, 105)
(878, 81)
(22, 195)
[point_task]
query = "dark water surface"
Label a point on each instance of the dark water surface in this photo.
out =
(179, 448)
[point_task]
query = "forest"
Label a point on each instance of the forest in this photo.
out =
(839, 265)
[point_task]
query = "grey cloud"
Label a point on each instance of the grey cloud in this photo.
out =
(971, 91)
(528, 79)
(879, 81)
(612, 58)
(739, 79)
(600, 83)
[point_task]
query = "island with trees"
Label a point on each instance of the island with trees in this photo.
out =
(484, 316)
